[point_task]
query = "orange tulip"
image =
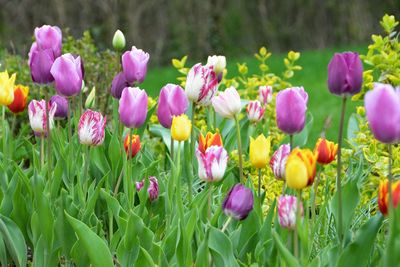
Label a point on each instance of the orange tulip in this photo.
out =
(383, 196)
(135, 144)
(210, 140)
(300, 168)
(326, 151)
(20, 98)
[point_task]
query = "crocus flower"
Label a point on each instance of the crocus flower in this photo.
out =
(181, 128)
(38, 117)
(217, 62)
(291, 107)
(172, 102)
(287, 211)
(91, 128)
(239, 202)
(265, 94)
(326, 151)
(382, 106)
(345, 74)
(152, 189)
(68, 75)
(135, 144)
(212, 163)
(49, 37)
(62, 106)
(201, 84)
(383, 196)
(6, 88)
(133, 107)
(278, 161)
(118, 40)
(259, 151)
(20, 98)
(118, 84)
(227, 104)
(40, 63)
(300, 168)
(255, 112)
(209, 140)
(134, 65)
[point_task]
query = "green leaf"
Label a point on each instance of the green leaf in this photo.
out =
(221, 248)
(290, 260)
(3, 252)
(14, 240)
(144, 259)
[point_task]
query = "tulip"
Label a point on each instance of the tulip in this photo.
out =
(6, 88)
(212, 163)
(259, 151)
(300, 168)
(291, 107)
(118, 84)
(38, 117)
(152, 189)
(201, 84)
(278, 161)
(255, 112)
(238, 203)
(49, 37)
(383, 196)
(345, 74)
(180, 128)
(91, 128)
(208, 141)
(62, 106)
(287, 211)
(118, 40)
(20, 97)
(172, 102)
(133, 107)
(326, 151)
(227, 104)
(91, 98)
(135, 144)
(217, 62)
(382, 106)
(134, 65)
(265, 94)
(40, 63)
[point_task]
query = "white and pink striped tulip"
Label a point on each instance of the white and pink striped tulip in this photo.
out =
(255, 112)
(287, 210)
(265, 94)
(201, 84)
(38, 117)
(91, 128)
(212, 163)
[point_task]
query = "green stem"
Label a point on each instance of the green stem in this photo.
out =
(172, 149)
(291, 142)
(3, 132)
(210, 190)
(69, 122)
(259, 184)
(298, 221)
(42, 151)
(192, 139)
(118, 183)
(239, 139)
(313, 213)
(129, 166)
(87, 165)
(178, 182)
(226, 224)
(392, 215)
(49, 149)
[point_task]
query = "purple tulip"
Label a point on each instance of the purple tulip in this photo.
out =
(62, 106)
(134, 65)
(382, 106)
(239, 202)
(40, 62)
(68, 75)
(133, 107)
(345, 74)
(49, 37)
(278, 161)
(212, 163)
(172, 102)
(152, 189)
(287, 209)
(118, 84)
(91, 128)
(291, 107)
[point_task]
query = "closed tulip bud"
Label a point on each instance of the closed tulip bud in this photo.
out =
(326, 151)
(345, 74)
(40, 63)
(212, 163)
(278, 161)
(239, 202)
(91, 98)
(38, 117)
(291, 107)
(6, 88)
(20, 98)
(118, 40)
(62, 106)
(227, 104)
(259, 151)
(201, 84)
(134, 65)
(152, 189)
(91, 128)
(300, 168)
(383, 196)
(133, 107)
(265, 94)
(181, 128)
(172, 102)
(118, 84)
(49, 37)
(208, 141)
(135, 145)
(287, 211)
(382, 106)
(217, 62)
(255, 112)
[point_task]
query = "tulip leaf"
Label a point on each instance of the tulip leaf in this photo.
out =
(14, 241)
(352, 128)
(3, 252)
(290, 260)
(221, 248)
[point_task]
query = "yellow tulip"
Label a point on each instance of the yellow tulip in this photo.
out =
(300, 168)
(6, 88)
(180, 128)
(259, 151)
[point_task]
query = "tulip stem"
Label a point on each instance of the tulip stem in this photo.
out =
(291, 141)
(239, 139)
(313, 213)
(3, 132)
(172, 149)
(42, 151)
(226, 224)
(49, 154)
(192, 139)
(259, 184)
(129, 174)
(178, 182)
(87, 165)
(392, 215)
(69, 122)
(210, 200)
(298, 221)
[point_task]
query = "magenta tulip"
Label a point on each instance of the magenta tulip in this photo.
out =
(172, 102)
(134, 65)
(68, 75)
(118, 84)
(62, 106)
(40, 62)
(133, 107)
(49, 37)
(239, 202)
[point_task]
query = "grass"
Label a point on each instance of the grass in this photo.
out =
(312, 77)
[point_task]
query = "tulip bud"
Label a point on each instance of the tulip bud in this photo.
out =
(6, 88)
(300, 168)
(135, 144)
(133, 107)
(201, 84)
(208, 141)
(49, 38)
(38, 117)
(134, 65)
(212, 163)
(152, 189)
(287, 211)
(239, 202)
(91, 98)
(118, 40)
(118, 84)
(259, 151)
(383, 196)
(326, 151)
(181, 128)
(62, 106)
(172, 102)
(265, 94)
(91, 128)
(20, 97)
(255, 112)
(278, 161)
(217, 62)
(227, 104)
